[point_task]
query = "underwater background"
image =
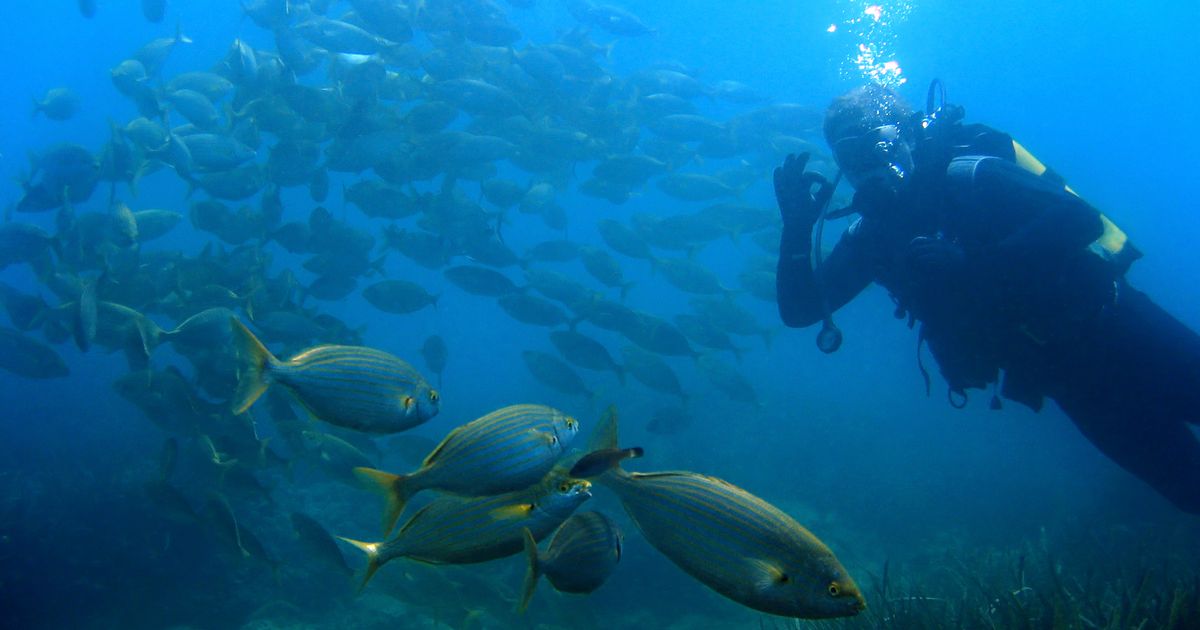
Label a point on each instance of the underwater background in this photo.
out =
(968, 518)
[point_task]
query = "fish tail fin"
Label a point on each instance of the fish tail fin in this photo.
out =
(252, 373)
(533, 573)
(373, 563)
(395, 489)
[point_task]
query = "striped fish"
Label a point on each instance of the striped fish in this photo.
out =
(457, 530)
(505, 451)
(732, 541)
(349, 386)
(582, 554)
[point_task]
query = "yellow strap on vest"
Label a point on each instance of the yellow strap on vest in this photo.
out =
(1112, 241)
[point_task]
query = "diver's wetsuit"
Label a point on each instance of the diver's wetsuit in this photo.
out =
(1011, 286)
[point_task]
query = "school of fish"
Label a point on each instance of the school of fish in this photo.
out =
(445, 126)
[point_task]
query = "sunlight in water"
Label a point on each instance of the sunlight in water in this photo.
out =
(869, 29)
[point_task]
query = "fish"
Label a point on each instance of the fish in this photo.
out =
(154, 223)
(732, 541)
(170, 503)
(214, 151)
(652, 372)
(154, 54)
(583, 553)
(25, 356)
(699, 331)
(318, 544)
(690, 276)
(208, 328)
(210, 84)
(529, 309)
(669, 421)
(25, 311)
(399, 297)
(695, 187)
(504, 451)
(623, 240)
(729, 380)
(24, 243)
(58, 104)
(481, 281)
(585, 352)
(657, 335)
(434, 352)
(611, 18)
(560, 287)
(336, 457)
(554, 373)
(355, 387)
(456, 530)
(86, 316)
(240, 540)
(727, 316)
(603, 267)
(195, 107)
(599, 462)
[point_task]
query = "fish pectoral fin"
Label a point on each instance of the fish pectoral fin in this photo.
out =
(520, 510)
(767, 574)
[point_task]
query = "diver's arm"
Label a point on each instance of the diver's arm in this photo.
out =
(803, 293)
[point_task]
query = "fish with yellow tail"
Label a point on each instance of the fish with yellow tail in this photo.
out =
(457, 530)
(732, 541)
(582, 554)
(349, 386)
(506, 450)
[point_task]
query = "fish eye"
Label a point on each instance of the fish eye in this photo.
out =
(784, 578)
(553, 440)
(564, 486)
(434, 396)
(834, 589)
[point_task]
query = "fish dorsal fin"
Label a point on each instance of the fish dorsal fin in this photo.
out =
(409, 522)
(437, 450)
(604, 436)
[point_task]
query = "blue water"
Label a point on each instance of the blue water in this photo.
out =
(847, 443)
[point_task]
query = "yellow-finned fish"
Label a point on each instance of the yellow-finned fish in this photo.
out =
(457, 530)
(732, 541)
(582, 554)
(349, 386)
(504, 451)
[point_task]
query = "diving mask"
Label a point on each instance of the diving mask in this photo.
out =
(878, 153)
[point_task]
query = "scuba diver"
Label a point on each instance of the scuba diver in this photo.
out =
(1017, 282)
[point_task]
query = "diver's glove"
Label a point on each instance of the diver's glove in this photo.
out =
(935, 258)
(799, 204)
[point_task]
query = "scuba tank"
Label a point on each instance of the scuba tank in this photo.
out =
(937, 138)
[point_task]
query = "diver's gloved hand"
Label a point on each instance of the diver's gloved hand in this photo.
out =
(799, 204)
(935, 257)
